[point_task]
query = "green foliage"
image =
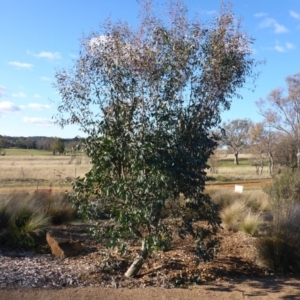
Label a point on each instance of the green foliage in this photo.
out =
(3, 143)
(285, 187)
(148, 101)
(58, 146)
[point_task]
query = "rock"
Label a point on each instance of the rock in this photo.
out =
(61, 245)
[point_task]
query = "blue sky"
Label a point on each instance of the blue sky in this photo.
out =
(39, 37)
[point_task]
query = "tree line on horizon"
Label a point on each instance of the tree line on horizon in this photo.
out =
(38, 143)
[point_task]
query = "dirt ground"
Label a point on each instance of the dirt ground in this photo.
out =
(243, 289)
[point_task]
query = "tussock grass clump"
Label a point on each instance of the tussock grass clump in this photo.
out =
(255, 200)
(250, 223)
(22, 225)
(224, 197)
(232, 214)
(24, 218)
(279, 249)
(56, 206)
(4, 215)
(241, 211)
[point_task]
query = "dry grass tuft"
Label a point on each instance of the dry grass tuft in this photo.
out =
(250, 223)
(232, 214)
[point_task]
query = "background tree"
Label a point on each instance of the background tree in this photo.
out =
(148, 98)
(285, 150)
(282, 110)
(236, 136)
(58, 146)
(264, 143)
(3, 143)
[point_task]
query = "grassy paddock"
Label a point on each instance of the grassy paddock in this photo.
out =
(16, 151)
(228, 171)
(23, 166)
(29, 152)
(20, 169)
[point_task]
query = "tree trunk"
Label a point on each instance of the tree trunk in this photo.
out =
(236, 158)
(137, 263)
(261, 168)
(271, 164)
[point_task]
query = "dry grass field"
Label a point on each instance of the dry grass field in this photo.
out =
(21, 168)
(42, 170)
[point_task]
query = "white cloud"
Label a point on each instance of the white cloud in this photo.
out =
(44, 78)
(290, 46)
(39, 121)
(7, 106)
(260, 15)
(48, 55)
(38, 106)
(279, 48)
(20, 65)
(19, 95)
(295, 15)
(37, 96)
(45, 54)
(269, 22)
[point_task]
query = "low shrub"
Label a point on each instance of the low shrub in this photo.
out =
(279, 248)
(285, 186)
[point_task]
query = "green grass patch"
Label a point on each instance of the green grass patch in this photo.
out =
(16, 151)
(228, 162)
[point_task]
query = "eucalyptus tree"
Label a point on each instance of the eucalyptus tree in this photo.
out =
(281, 110)
(237, 136)
(147, 99)
(264, 142)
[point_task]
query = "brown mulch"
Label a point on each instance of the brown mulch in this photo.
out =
(98, 273)
(234, 258)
